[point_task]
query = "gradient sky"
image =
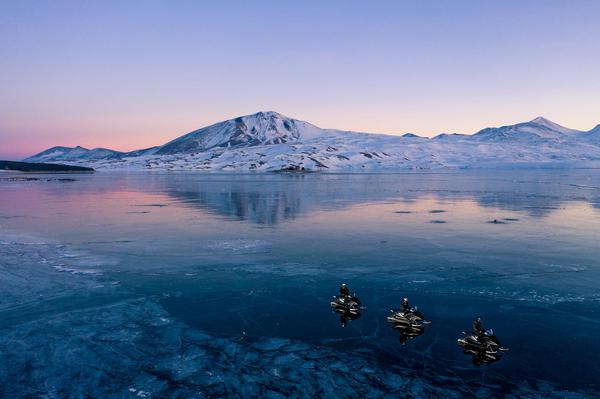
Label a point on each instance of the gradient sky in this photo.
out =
(133, 74)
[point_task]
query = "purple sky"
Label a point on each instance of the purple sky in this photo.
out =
(133, 74)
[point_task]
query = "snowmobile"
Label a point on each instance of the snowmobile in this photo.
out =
(346, 304)
(486, 343)
(410, 323)
(411, 318)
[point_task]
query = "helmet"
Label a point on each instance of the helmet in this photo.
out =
(478, 319)
(343, 284)
(405, 300)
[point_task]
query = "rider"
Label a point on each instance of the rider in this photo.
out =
(344, 291)
(478, 329)
(405, 306)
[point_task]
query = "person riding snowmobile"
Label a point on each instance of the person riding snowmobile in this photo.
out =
(344, 290)
(405, 306)
(478, 329)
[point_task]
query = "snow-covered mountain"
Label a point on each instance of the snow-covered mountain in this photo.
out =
(56, 154)
(262, 128)
(536, 130)
(592, 136)
(268, 141)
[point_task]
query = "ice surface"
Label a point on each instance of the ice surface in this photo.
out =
(225, 292)
(237, 246)
(29, 266)
(134, 349)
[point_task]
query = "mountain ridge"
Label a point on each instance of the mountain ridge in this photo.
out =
(268, 140)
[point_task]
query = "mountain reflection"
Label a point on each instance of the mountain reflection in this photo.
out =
(272, 199)
(265, 208)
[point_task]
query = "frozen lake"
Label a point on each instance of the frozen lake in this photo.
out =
(209, 285)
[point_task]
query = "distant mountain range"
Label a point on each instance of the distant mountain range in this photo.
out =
(269, 141)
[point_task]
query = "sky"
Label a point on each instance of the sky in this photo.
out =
(133, 74)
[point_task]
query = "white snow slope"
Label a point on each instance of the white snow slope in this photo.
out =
(268, 141)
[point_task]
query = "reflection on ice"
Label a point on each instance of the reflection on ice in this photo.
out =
(271, 199)
(407, 332)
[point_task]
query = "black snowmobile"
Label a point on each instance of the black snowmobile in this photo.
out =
(346, 304)
(408, 321)
(486, 342)
(482, 345)
(409, 318)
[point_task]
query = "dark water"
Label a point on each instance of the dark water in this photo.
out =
(199, 285)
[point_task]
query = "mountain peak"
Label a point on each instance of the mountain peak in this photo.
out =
(263, 116)
(533, 131)
(261, 128)
(540, 120)
(268, 113)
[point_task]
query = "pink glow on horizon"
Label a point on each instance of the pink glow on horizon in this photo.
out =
(127, 135)
(393, 68)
